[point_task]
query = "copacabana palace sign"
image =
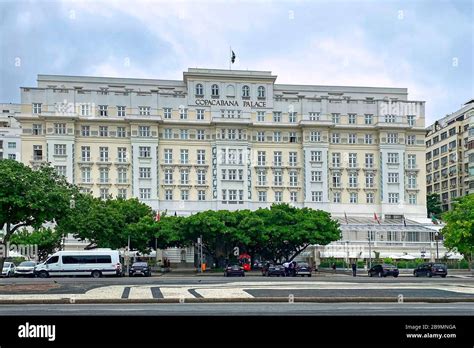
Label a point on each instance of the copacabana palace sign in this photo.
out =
(245, 103)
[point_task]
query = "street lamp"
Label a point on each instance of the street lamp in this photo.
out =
(437, 251)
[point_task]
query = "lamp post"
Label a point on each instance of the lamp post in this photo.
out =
(437, 250)
(370, 250)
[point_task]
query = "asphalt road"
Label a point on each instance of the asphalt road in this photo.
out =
(243, 309)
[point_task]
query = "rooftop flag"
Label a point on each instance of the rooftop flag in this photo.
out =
(376, 218)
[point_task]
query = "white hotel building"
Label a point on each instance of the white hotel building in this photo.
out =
(223, 139)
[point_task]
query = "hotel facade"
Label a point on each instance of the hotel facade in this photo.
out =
(224, 139)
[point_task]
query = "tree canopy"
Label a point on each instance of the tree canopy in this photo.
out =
(433, 205)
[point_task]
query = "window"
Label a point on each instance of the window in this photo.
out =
(121, 133)
(352, 180)
(37, 152)
(411, 181)
(233, 195)
(144, 172)
(86, 175)
(60, 128)
(444, 149)
(393, 178)
(168, 156)
(104, 175)
(369, 198)
(168, 133)
(245, 92)
(168, 195)
(293, 178)
(292, 136)
(368, 139)
(411, 120)
(411, 139)
(411, 161)
(103, 110)
(184, 176)
(314, 116)
(120, 111)
(316, 196)
(261, 158)
(122, 175)
(392, 138)
(37, 129)
(85, 110)
(393, 158)
(199, 90)
(278, 196)
(201, 156)
(85, 153)
(262, 196)
(335, 138)
(144, 131)
(353, 198)
(261, 136)
(393, 198)
(277, 157)
(444, 135)
(144, 151)
(122, 193)
(292, 117)
(352, 118)
(183, 134)
(103, 131)
(183, 113)
(352, 160)
(336, 160)
(293, 196)
(60, 170)
(261, 178)
(352, 138)
(336, 118)
(277, 116)
(144, 110)
(104, 154)
(260, 116)
(277, 178)
(85, 131)
(316, 156)
(200, 114)
(412, 198)
(316, 176)
(277, 136)
(184, 156)
(145, 193)
(60, 149)
(167, 113)
(12, 156)
(336, 179)
(201, 177)
(215, 90)
(104, 193)
(168, 176)
(390, 118)
(261, 92)
(315, 136)
(369, 180)
(200, 134)
(201, 195)
(336, 197)
(292, 158)
(37, 108)
(368, 118)
(12, 145)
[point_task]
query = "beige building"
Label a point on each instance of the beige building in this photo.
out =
(450, 156)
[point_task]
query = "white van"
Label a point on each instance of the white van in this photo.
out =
(96, 263)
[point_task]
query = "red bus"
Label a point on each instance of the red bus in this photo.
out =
(245, 262)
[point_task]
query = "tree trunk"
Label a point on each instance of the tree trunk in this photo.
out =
(6, 238)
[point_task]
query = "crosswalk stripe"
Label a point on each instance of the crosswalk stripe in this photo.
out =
(140, 292)
(223, 293)
(176, 292)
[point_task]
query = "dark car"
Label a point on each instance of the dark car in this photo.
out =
(303, 269)
(383, 271)
(273, 270)
(431, 269)
(234, 270)
(26, 269)
(140, 268)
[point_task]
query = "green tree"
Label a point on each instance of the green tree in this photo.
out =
(458, 234)
(433, 205)
(47, 240)
(31, 197)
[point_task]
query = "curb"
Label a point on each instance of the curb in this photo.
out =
(239, 300)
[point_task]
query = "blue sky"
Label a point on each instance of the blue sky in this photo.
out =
(425, 46)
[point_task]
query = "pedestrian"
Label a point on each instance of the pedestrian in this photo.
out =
(354, 269)
(293, 269)
(334, 267)
(287, 268)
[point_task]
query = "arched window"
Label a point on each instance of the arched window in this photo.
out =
(199, 89)
(245, 91)
(215, 90)
(261, 92)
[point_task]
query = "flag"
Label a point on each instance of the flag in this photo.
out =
(232, 57)
(376, 218)
(404, 222)
(157, 217)
(345, 216)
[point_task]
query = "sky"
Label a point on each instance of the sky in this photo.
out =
(426, 46)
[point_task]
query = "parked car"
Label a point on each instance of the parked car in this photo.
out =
(303, 269)
(431, 269)
(273, 270)
(26, 269)
(383, 271)
(8, 269)
(141, 268)
(234, 270)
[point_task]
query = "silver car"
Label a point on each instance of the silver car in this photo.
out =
(26, 269)
(8, 269)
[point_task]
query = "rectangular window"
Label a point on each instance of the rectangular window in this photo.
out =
(168, 133)
(200, 114)
(336, 197)
(60, 128)
(411, 161)
(276, 136)
(352, 180)
(336, 118)
(144, 110)
(168, 176)
(336, 180)
(260, 136)
(393, 158)
(184, 176)
(353, 198)
(104, 175)
(184, 134)
(144, 151)
(411, 139)
(144, 172)
(85, 153)
(260, 116)
(122, 193)
(352, 160)
(336, 160)
(393, 198)
(277, 116)
(316, 156)
(145, 193)
(168, 156)
(293, 196)
(121, 133)
(201, 156)
(277, 157)
(368, 139)
(85, 131)
(201, 195)
(293, 178)
(316, 196)
(121, 111)
(12, 145)
(369, 180)
(262, 196)
(314, 116)
(37, 129)
(37, 152)
(122, 175)
(200, 134)
(60, 149)
(412, 199)
(201, 177)
(411, 120)
(60, 170)
(369, 198)
(261, 158)
(103, 110)
(368, 118)
(315, 136)
(168, 195)
(412, 181)
(144, 131)
(261, 178)
(277, 178)
(316, 176)
(36, 108)
(184, 156)
(293, 159)
(292, 117)
(183, 113)
(86, 175)
(104, 193)
(393, 178)
(335, 138)
(392, 138)
(103, 131)
(352, 118)
(352, 138)
(104, 154)
(369, 160)
(167, 113)
(122, 154)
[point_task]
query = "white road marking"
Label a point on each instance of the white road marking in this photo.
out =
(223, 293)
(181, 292)
(140, 292)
